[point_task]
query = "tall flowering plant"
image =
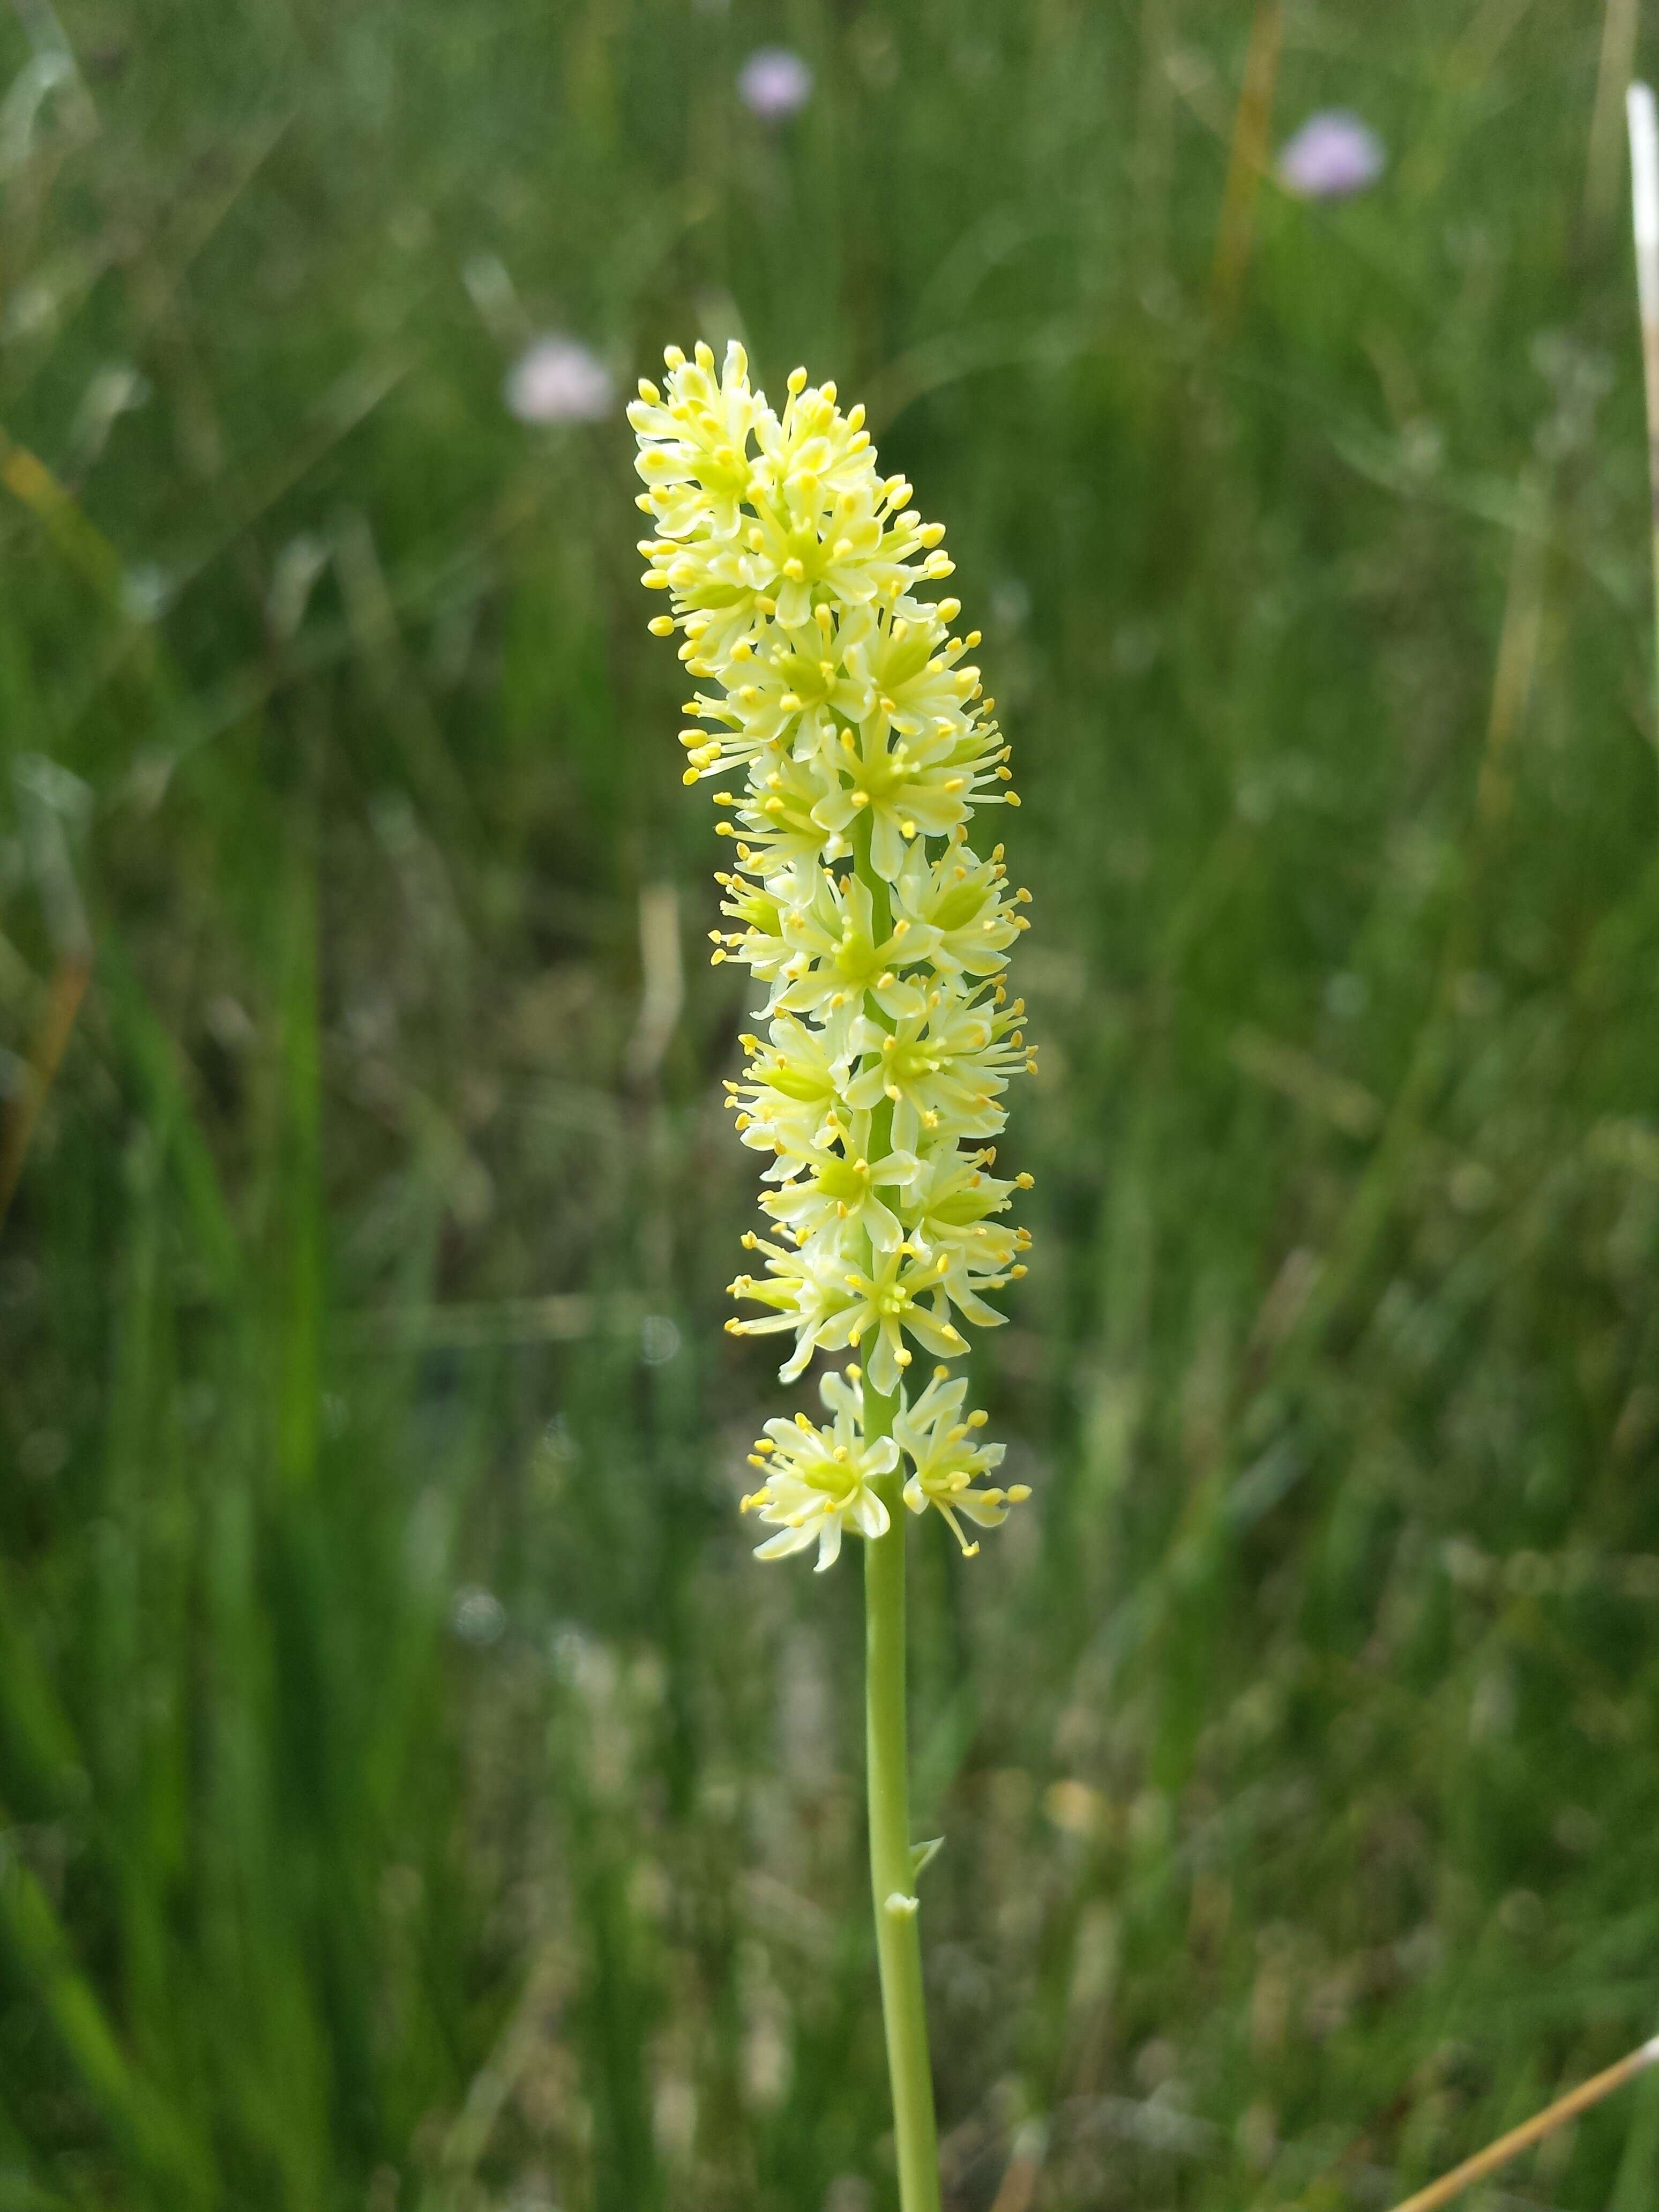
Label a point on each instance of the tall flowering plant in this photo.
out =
(854, 733)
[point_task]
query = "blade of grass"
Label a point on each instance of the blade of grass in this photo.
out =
(298, 1225)
(135, 2111)
(153, 1058)
(67, 989)
(1246, 161)
(1532, 2131)
(1612, 74)
(1644, 209)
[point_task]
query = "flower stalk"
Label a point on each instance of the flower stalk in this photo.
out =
(893, 1869)
(864, 745)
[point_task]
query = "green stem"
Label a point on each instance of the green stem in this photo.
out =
(892, 1873)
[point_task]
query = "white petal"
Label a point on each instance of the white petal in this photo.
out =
(780, 1546)
(883, 1370)
(870, 1516)
(796, 1363)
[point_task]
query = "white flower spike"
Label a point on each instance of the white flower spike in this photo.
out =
(845, 724)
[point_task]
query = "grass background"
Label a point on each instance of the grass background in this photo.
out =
(412, 1796)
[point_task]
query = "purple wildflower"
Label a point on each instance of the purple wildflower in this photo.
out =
(1331, 156)
(774, 84)
(557, 379)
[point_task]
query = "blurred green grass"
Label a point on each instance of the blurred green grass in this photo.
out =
(410, 1794)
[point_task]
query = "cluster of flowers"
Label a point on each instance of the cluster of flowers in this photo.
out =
(863, 742)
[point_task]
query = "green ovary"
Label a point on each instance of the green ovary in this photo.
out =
(857, 965)
(958, 907)
(845, 1179)
(798, 1084)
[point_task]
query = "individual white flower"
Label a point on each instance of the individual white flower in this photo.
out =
(944, 1062)
(821, 954)
(557, 379)
(774, 84)
(952, 1209)
(906, 793)
(961, 899)
(781, 831)
(968, 1267)
(895, 1295)
(830, 1187)
(818, 1480)
(807, 1290)
(905, 659)
(947, 1464)
(794, 1081)
(793, 691)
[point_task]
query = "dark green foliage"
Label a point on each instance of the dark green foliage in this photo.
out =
(411, 1793)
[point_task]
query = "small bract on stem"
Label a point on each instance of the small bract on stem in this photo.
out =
(854, 744)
